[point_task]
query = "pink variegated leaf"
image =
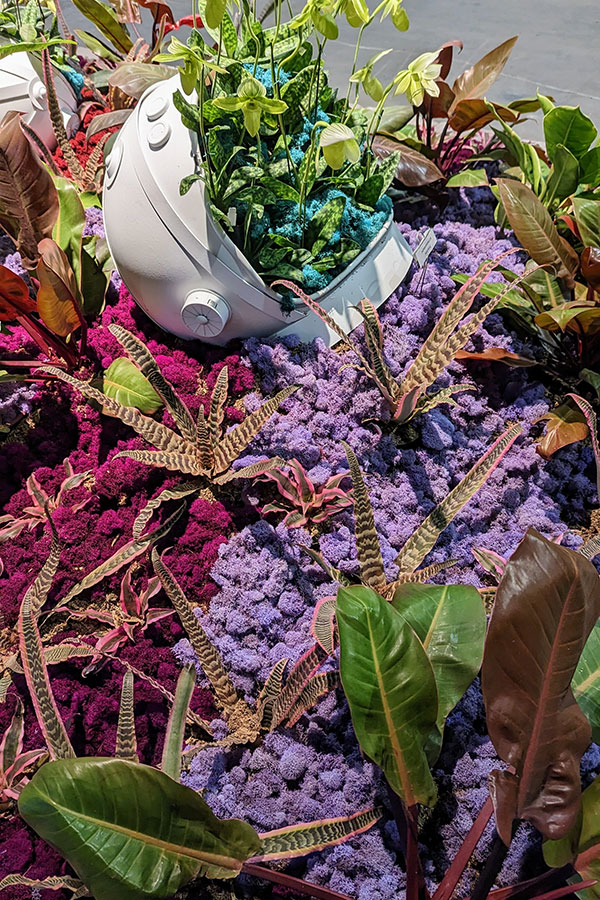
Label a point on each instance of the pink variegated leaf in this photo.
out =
(98, 615)
(295, 519)
(273, 508)
(489, 560)
(14, 775)
(405, 405)
(306, 488)
(322, 626)
(285, 485)
(307, 837)
(130, 602)
(156, 613)
(36, 491)
(129, 629)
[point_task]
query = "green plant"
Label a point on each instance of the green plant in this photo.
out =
(200, 448)
(422, 540)
(396, 690)
(96, 811)
(441, 137)
(408, 396)
(283, 162)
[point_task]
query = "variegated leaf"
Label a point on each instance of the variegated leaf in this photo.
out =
(298, 840)
(490, 561)
(425, 369)
(155, 433)
(59, 653)
(11, 744)
(591, 548)
(217, 405)
(207, 655)
(367, 541)
(325, 317)
(445, 395)
(270, 692)
(34, 664)
(420, 543)
(174, 493)
(5, 683)
(252, 471)
(164, 459)
(126, 740)
(52, 883)
(406, 404)
(322, 626)
(58, 125)
(306, 666)
(141, 356)
(122, 557)
(238, 439)
(315, 688)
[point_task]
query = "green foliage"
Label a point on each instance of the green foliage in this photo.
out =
(124, 382)
(390, 687)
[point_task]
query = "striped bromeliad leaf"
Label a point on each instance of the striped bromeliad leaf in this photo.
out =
(126, 747)
(407, 397)
(126, 554)
(52, 883)
(298, 840)
(99, 812)
(270, 692)
(305, 668)
(32, 657)
(592, 423)
(208, 655)
(316, 687)
(323, 626)
(367, 542)
(420, 543)
(201, 449)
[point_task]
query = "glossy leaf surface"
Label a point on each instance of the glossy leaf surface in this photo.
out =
(130, 831)
(124, 382)
(390, 687)
(546, 606)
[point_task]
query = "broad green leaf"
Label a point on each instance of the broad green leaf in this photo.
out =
(564, 176)
(450, 622)
(68, 229)
(569, 126)
(534, 228)
(390, 687)
(581, 847)
(98, 47)
(468, 178)
(124, 383)
(524, 155)
(590, 167)
(587, 215)
(105, 19)
(586, 681)
(532, 717)
(130, 831)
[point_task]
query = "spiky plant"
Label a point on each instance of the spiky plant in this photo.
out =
(419, 544)
(409, 396)
(41, 501)
(14, 763)
(303, 501)
(279, 702)
(201, 449)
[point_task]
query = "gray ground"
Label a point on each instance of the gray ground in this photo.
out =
(557, 51)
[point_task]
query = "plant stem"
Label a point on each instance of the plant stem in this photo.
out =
(406, 823)
(459, 863)
(295, 884)
(531, 888)
(356, 49)
(490, 872)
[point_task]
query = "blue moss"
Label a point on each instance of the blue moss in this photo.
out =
(264, 76)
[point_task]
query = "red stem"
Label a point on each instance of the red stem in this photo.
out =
(295, 884)
(459, 863)
(563, 891)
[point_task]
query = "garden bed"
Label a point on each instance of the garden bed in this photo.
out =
(254, 586)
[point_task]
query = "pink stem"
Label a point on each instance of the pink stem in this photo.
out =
(459, 863)
(295, 884)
